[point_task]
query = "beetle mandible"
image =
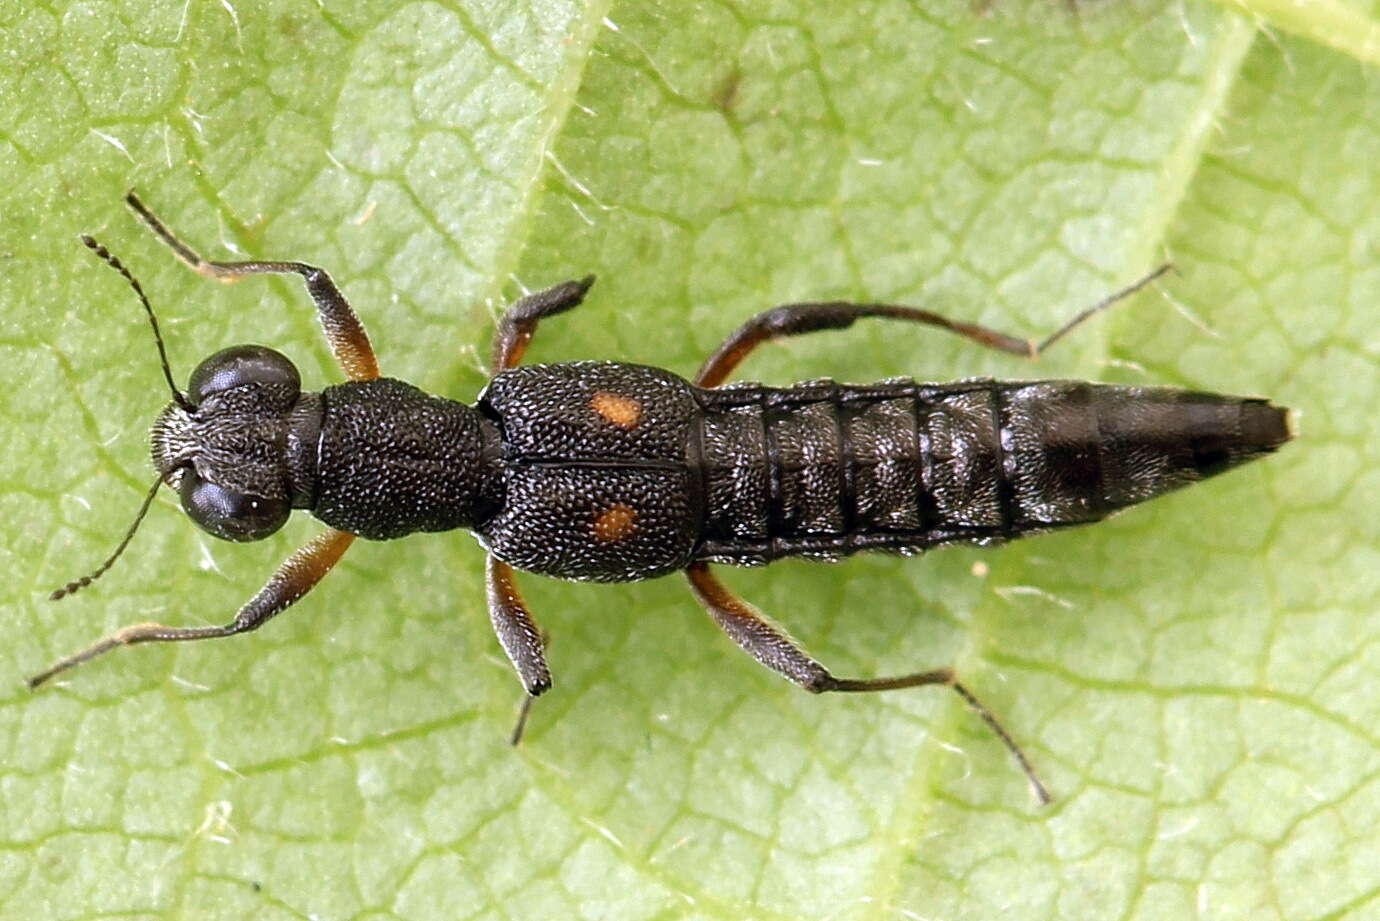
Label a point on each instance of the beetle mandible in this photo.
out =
(605, 471)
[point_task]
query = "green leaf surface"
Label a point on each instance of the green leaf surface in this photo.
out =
(1196, 680)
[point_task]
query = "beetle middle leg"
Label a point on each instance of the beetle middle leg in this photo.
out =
(518, 634)
(797, 319)
(344, 331)
(746, 626)
(297, 576)
(519, 322)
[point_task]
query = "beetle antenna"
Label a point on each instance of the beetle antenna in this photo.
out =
(118, 266)
(100, 570)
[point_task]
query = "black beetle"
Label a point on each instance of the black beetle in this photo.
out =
(606, 471)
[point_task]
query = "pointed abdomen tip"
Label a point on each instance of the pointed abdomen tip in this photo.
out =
(1264, 426)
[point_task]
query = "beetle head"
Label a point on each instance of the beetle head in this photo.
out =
(226, 448)
(225, 444)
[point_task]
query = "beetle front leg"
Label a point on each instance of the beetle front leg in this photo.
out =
(297, 576)
(519, 636)
(344, 332)
(519, 322)
(746, 626)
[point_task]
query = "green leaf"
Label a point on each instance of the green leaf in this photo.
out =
(1196, 680)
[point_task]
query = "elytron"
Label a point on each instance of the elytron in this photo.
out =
(609, 472)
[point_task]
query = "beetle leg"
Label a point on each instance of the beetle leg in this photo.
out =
(297, 576)
(797, 319)
(518, 634)
(520, 321)
(770, 646)
(345, 333)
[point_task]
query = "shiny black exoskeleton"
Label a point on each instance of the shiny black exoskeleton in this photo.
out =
(606, 471)
(614, 472)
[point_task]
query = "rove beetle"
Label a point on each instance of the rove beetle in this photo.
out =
(609, 472)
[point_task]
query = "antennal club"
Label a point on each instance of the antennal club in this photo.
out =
(110, 260)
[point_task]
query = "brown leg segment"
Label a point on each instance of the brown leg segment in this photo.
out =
(520, 321)
(345, 333)
(297, 576)
(519, 635)
(746, 626)
(798, 319)
(517, 632)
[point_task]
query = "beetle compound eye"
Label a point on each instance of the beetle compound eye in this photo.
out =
(230, 515)
(238, 365)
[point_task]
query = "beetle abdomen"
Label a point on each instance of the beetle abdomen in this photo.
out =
(825, 470)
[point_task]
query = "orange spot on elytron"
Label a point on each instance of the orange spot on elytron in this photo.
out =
(622, 411)
(615, 523)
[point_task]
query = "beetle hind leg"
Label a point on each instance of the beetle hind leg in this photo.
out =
(746, 626)
(797, 319)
